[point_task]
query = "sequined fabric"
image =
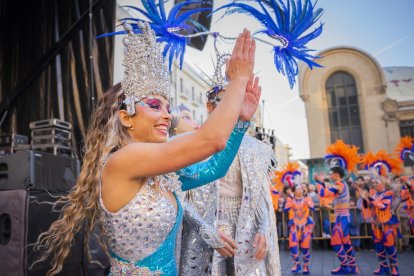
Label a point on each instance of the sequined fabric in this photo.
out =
(228, 215)
(121, 268)
(141, 236)
(195, 252)
(256, 214)
(139, 228)
(216, 167)
(145, 72)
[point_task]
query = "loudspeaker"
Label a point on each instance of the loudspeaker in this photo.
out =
(23, 216)
(32, 170)
(202, 18)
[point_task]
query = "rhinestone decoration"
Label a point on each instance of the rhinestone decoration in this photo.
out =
(170, 182)
(141, 226)
(120, 268)
(145, 73)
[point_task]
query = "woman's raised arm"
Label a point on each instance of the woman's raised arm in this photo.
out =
(149, 159)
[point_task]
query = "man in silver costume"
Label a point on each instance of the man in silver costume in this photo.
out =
(182, 123)
(240, 206)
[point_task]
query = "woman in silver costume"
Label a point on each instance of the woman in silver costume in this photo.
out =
(238, 205)
(182, 121)
(127, 185)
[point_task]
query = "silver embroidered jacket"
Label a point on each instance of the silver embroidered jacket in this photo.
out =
(256, 212)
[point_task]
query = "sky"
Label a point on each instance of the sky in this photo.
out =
(382, 28)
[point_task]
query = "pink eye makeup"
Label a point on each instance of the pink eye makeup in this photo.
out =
(155, 104)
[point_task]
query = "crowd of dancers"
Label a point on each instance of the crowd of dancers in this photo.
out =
(379, 195)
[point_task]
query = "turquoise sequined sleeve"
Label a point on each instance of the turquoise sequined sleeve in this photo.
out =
(216, 167)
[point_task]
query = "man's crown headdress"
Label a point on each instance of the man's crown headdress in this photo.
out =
(218, 82)
(145, 72)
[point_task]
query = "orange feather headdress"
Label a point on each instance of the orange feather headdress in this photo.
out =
(383, 163)
(342, 155)
(405, 148)
(287, 175)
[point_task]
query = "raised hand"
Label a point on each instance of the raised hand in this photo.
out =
(317, 177)
(241, 63)
(251, 99)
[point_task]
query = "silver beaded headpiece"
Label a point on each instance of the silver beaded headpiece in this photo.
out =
(218, 82)
(145, 72)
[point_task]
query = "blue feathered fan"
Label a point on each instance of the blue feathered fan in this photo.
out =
(286, 25)
(169, 28)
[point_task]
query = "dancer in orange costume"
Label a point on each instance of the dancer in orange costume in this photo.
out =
(301, 227)
(409, 204)
(406, 151)
(385, 223)
(340, 157)
(298, 208)
(276, 190)
(275, 197)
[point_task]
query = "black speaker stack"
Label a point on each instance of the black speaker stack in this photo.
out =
(30, 182)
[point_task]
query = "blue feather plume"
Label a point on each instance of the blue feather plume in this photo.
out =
(169, 28)
(287, 23)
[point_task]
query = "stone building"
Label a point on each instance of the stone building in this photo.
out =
(354, 99)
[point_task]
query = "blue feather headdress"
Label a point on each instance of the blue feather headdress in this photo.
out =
(286, 25)
(170, 29)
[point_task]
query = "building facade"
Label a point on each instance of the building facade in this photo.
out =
(283, 153)
(189, 88)
(352, 98)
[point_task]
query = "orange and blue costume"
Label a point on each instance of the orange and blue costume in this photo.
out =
(385, 223)
(406, 151)
(298, 210)
(301, 227)
(340, 238)
(409, 205)
(346, 157)
(385, 229)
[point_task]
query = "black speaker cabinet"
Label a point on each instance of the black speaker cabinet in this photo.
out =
(202, 18)
(23, 216)
(33, 170)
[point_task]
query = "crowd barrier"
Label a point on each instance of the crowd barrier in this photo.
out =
(324, 219)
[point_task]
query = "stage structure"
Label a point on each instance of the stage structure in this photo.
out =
(52, 64)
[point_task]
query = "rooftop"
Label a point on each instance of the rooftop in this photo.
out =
(400, 83)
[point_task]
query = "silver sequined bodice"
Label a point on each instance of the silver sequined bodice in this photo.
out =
(140, 227)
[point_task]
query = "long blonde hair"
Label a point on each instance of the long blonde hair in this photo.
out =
(105, 134)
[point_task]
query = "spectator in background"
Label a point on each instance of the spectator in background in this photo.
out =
(287, 190)
(407, 199)
(326, 206)
(317, 232)
(400, 209)
(313, 195)
(355, 214)
(362, 187)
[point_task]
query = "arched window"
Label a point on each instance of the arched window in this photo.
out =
(343, 108)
